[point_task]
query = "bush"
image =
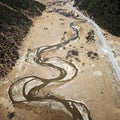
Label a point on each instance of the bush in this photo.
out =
(28, 7)
(106, 13)
(14, 25)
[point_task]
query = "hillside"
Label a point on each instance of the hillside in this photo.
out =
(15, 21)
(106, 13)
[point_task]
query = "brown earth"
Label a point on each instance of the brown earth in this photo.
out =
(95, 84)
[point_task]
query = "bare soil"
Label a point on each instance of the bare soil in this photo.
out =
(95, 84)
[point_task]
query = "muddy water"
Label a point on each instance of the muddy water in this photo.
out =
(26, 90)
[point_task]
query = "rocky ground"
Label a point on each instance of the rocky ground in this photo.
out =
(95, 83)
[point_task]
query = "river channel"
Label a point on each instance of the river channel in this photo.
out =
(26, 90)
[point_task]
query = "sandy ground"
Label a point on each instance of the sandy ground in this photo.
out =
(95, 84)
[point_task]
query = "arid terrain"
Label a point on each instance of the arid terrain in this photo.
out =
(90, 78)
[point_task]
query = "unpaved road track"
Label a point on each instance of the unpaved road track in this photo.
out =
(103, 39)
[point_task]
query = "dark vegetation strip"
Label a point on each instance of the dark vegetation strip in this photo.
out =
(106, 13)
(14, 25)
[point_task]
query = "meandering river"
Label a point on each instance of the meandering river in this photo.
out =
(26, 90)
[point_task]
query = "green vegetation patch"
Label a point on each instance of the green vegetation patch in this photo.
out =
(14, 25)
(106, 13)
(27, 7)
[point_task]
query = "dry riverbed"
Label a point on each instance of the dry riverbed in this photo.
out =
(95, 83)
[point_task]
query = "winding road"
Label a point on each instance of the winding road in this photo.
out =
(26, 90)
(102, 38)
